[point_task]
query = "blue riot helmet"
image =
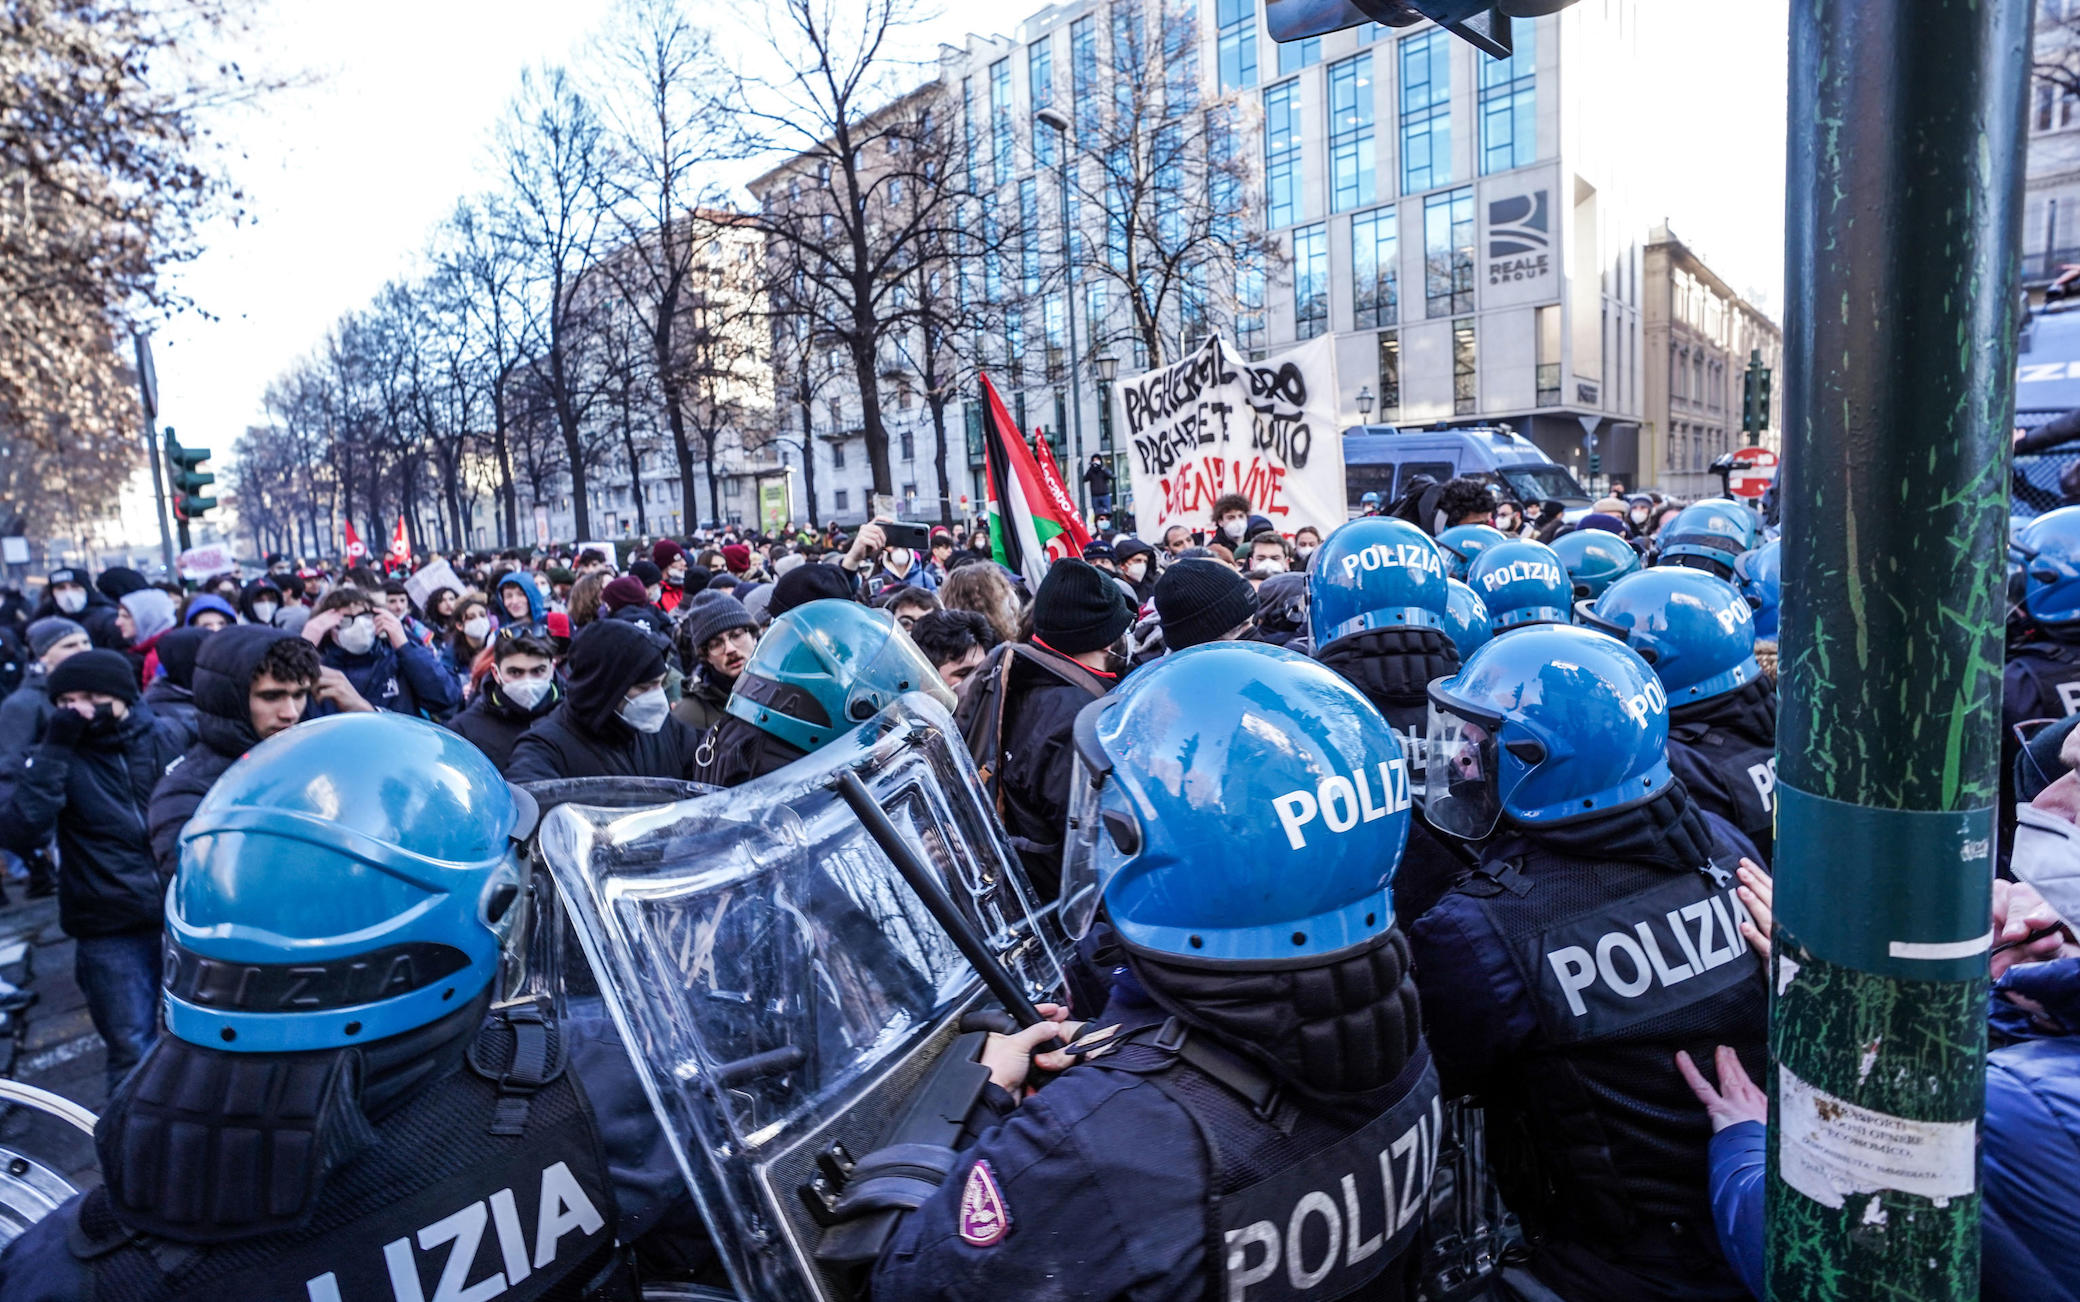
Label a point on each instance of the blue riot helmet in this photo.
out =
(1463, 542)
(1547, 725)
(1595, 559)
(347, 880)
(1760, 574)
(1710, 535)
(826, 667)
(1521, 583)
(1466, 619)
(1697, 632)
(2050, 550)
(1372, 573)
(1369, 501)
(1235, 802)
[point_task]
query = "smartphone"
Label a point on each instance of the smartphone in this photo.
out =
(914, 537)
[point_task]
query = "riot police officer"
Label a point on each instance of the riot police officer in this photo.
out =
(1462, 542)
(1699, 635)
(1760, 576)
(1598, 937)
(1378, 605)
(1255, 1111)
(330, 1112)
(821, 670)
(2043, 674)
(1709, 536)
(1595, 559)
(1522, 583)
(1465, 619)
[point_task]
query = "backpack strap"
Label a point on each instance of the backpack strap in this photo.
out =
(537, 1060)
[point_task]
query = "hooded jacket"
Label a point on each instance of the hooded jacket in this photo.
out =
(171, 695)
(222, 687)
(408, 679)
(494, 724)
(94, 795)
(258, 588)
(536, 608)
(584, 736)
(98, 616)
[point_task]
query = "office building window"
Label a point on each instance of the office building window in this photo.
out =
(1375, 266)
(1180, 56)
(1249, 308)
(1040, 85)
(1283, 203)
(1350, 134)
(1029, 235)
(2054, 108)
(1546, 326)
(1426, 111)
(970, 132)
(1310, 281)
(1465, 383)
(1083, 77)
(1295, 55)
(1509, 106)
(838, 455)
(1237, 20)
(840, 500)
(1001, 161)
(1448, 253)
(909, 441)
(1389, 375)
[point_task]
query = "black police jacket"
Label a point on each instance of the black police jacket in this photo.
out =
(94, 795)
(1141, 1171)
(1557, 988)
(1725, 751)
(466, 1180)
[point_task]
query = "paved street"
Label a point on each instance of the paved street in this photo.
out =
(52, 1044)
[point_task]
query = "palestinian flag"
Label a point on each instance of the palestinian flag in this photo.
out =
(1027, 531)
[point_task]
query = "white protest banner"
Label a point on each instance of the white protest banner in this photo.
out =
(429, 580)
(198, 563)
(1214, 423)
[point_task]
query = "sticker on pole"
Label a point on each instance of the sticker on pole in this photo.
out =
(1753, 469)
(1829, 1148)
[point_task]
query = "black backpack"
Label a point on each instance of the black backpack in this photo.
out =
(979, 712)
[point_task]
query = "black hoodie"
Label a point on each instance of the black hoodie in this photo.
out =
(223, 683)
(584, 736)
(494, 723)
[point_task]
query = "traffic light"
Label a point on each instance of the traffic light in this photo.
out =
(188, 479)
(1755, 395)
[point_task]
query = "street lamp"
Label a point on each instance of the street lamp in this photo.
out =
(1365, 401)
(1108, 368)
(1058, 122)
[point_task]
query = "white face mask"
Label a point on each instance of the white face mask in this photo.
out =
(1305, 549)
(1639, 515)
(646, 713)
(1272, 566)
(1133, 570)
(263, 611)
(526, 692)
(1234, 528)
(476, 628)
(356, 636)
(2047, 856)
(72, 601)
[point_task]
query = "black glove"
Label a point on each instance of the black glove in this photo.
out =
(64, 728)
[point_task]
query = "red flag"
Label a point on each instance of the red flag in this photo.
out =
(400, 546)
(1027, 529)
(1058, 493)
(356, 550)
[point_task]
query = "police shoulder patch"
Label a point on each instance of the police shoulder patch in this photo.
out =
(985, 1220)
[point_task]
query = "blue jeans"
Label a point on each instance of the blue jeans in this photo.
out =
(119, 975)
(1101, 504)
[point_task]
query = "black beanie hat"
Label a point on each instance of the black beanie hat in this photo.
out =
(109, 673)
(1198, 600)
(119, 581)
(806, 583)
(177, 651)
(1079, 609)
(647, 572)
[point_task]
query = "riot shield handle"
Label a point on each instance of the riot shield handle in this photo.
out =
(936, 901)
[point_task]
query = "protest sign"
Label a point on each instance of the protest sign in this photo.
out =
(1214, 423)
(429, 580)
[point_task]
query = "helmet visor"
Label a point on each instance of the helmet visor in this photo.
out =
(1462, 774)
(1082, 883)
(897, 667)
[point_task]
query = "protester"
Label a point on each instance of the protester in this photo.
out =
(519, 605)
(716, 638)
(988, 591)
(1200, 601)
(171, 694)
(521, 690)
(367, 644)
(53, 640)
(614, 720)
(88, 779)
(67, 593)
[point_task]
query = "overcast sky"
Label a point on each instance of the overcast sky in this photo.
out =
(346, 177)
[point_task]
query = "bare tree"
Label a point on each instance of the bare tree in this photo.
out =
(486, 273)
(844, 115)
(556, 157)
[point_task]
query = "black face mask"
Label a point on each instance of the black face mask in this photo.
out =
(104, 723)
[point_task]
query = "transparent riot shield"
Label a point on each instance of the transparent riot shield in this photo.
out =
(42, 1135)
(779, 985)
